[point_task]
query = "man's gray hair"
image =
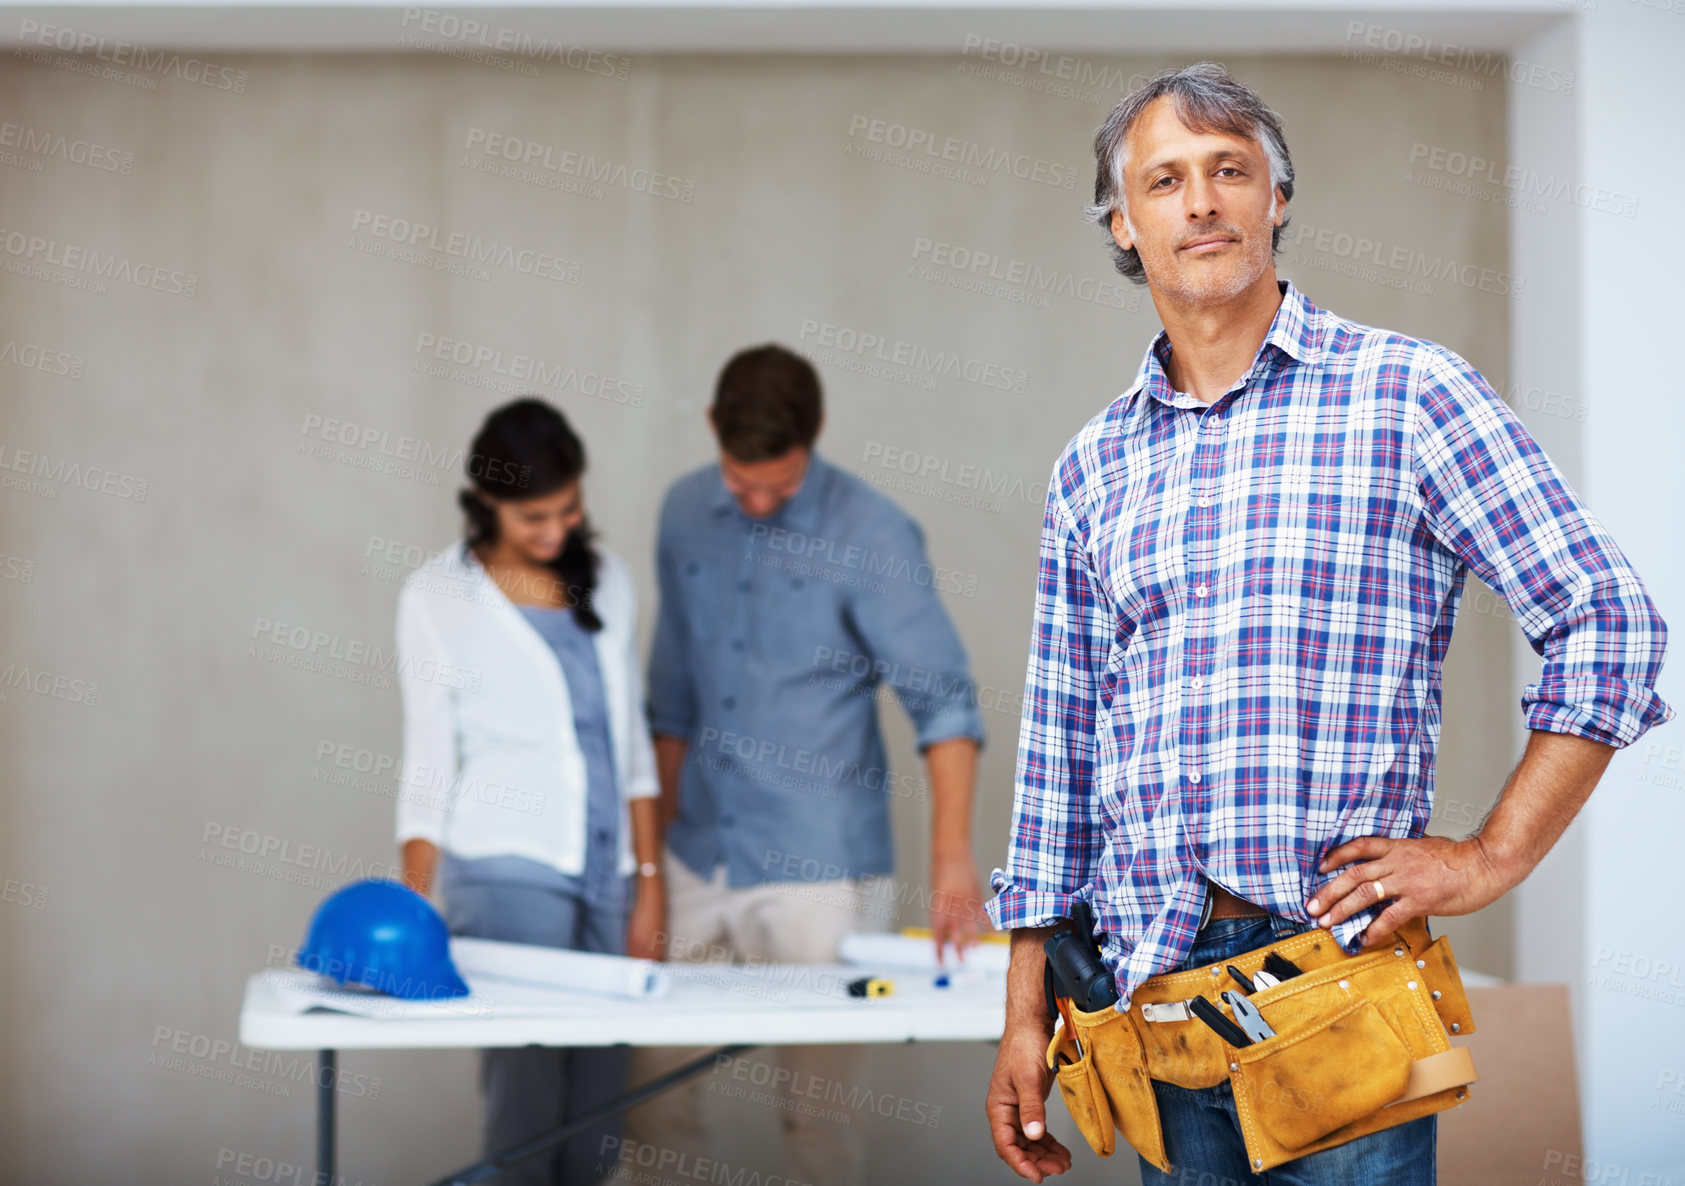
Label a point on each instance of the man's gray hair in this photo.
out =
(1208, 99)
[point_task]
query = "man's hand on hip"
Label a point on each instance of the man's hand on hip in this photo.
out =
(1432, 875)
(1017, 1106)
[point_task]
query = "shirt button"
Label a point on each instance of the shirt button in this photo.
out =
(726, 821)
(737, 644)
(1193, 777)
(795, 583)
(1197, 682)
(1201, 591)
(730, 702)
(742, 586)
(1205, 502)
(693, 568)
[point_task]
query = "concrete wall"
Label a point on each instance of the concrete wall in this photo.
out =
(191, 489)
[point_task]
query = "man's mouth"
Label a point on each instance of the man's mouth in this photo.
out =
(1208, 244)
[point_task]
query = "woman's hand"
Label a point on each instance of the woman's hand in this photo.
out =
(646, 930)
(419, 859)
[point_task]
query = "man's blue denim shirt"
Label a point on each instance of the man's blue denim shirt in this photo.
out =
(774, 640)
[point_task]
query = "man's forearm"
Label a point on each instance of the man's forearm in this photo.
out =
(1550, 784)
(1026, 1002)
(952, 768)
(670, 753)
(1434, 875)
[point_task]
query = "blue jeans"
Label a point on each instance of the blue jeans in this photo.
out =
(1202, 1132)
(529, 1090)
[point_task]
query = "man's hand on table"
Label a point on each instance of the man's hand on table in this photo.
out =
(956, 903)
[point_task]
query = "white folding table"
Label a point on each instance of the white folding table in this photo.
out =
(708, 1005)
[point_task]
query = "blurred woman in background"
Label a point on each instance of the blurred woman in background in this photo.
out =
(528, 779)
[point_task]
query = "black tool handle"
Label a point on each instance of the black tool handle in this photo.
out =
(1219, 1023)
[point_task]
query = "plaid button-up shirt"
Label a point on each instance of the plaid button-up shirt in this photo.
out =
(1241, 614)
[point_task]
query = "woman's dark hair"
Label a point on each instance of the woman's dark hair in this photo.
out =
(525, 449)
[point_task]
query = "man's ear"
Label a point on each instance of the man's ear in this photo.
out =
(1280, 206)
(1120, 231)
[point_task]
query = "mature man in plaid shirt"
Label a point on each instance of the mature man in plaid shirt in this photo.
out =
(1250, 566)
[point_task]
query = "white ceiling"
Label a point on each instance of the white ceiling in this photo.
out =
(840, 26)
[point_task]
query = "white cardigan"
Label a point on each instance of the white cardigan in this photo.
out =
(492, 766)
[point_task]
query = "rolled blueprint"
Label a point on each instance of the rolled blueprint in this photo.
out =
(912, 953)
(558, 968)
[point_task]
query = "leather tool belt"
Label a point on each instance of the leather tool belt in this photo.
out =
(1361, 1044)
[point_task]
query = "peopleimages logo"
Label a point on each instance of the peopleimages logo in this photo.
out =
(127, 53)
(1403, 267)
(470, 248)
(466, 31)
(971, 267)
(965, 154)
(1528, 183)
(31, 254)
(1483, 62)
(452, 358)
(56, 146)
(537, 156)
(872, 347)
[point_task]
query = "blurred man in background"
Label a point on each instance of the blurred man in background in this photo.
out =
(792, 594)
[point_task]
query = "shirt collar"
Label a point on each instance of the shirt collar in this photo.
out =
(800, 511)
(1295, 332)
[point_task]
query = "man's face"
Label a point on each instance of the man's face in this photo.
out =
(1200, 208)
(761, 487)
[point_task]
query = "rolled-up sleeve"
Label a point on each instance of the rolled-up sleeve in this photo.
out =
(672, 695)
(1056, 838)
(429, 762)
(1501, 506)
(912, 641)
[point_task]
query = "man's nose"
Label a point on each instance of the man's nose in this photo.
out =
(1201, 199)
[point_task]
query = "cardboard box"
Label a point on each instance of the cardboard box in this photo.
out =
(1521, 1123)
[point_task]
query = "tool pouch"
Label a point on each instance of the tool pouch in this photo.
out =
(1360, 1045)
(1107, 1090)
(1080, 1088)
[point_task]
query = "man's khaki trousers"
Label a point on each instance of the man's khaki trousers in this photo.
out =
(780, 922)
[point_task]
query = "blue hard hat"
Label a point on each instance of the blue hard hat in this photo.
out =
(382, 935)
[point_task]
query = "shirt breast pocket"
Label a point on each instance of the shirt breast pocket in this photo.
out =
(703, 595)
(798, 611)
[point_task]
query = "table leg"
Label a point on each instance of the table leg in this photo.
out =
(327, 1077)
(490, 1167)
